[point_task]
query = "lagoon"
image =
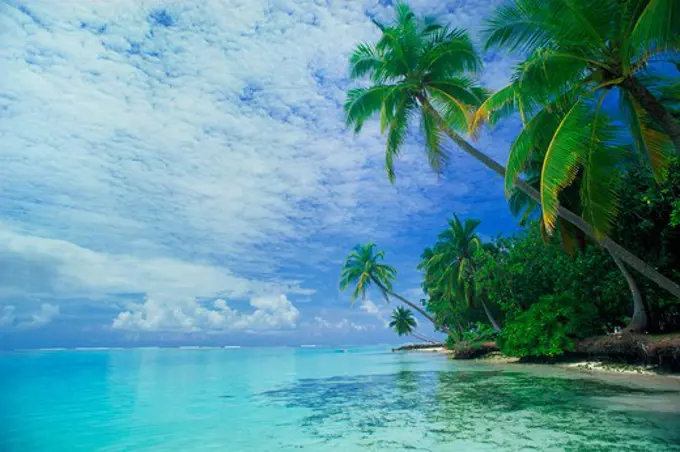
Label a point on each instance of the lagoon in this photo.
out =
(318, 399)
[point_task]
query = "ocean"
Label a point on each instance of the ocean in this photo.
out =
(320, 399)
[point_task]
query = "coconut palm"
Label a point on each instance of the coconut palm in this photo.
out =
(422, 69)
(404, 324)
(450, 263)
(403, 321)
(364, 267)
(579, 54)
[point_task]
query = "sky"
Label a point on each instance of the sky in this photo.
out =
(178, 172)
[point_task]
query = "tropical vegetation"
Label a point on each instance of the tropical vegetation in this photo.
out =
(422, 69)
(593, 175)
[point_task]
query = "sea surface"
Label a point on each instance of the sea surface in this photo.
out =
(321, 399)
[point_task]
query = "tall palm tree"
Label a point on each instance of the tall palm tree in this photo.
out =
(425, 69)
(404, 324)
(579, 54)
(451, 263)
(363, 267)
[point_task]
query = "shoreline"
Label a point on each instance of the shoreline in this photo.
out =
(579, 365)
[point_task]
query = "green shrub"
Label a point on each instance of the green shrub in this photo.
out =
(480, 332)
(548, 328)
(450, 342)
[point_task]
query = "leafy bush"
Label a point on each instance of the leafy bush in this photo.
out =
(480, 332)
(549, 327)
(523, 268)
(450, 342)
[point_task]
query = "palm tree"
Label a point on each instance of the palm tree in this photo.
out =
(404, 324)
(579, 53)
(450, 262)
(403, 321)
(422, 67)
(363, 268)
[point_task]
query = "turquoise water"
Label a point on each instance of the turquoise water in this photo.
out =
(280, 399)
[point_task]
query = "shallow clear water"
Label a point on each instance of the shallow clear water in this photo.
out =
(280, 399)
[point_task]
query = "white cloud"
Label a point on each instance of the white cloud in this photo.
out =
(35, 319)
(343, 325)
(38, 267)
(270, 313)
(380, 312)
(182, 149)
(368, 306)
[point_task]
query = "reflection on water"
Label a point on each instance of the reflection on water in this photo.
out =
(483, 410)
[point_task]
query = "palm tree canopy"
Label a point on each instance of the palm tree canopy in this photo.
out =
(363, 267)
(403, 321)
(447, 265)
(578, 53)
(414, 61)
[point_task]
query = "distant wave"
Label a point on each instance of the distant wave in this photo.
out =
(308, 346)
(52, 349)
(232, 346)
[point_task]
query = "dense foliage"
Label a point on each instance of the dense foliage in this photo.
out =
(549, 327)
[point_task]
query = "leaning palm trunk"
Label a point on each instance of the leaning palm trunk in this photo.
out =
(422, 338)
(616, 250)
(494, 324)
(639, 321)
(415, 307)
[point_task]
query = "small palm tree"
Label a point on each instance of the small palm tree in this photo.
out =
(450, 262)
(364, 267)
(403, 321)
(420, 69)
(404, 324)
(579, 53)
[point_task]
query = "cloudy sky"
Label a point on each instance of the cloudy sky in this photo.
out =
(179, 172)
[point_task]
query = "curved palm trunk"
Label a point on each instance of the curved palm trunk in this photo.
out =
(640, 319)
(616, 250)
(654, 108)
(422, 338)
(413, 306)
(494, 324)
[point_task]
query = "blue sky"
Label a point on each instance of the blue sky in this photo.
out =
(179, 172)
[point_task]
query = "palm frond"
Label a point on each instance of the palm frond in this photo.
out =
(582, 142)
(503, 102)
(366, 61)
(452, 53)
(561, 163)
(436, 154)
(461, 88)
(362, 103)
(657, 27)
(652, 144)
(396, 134)
(548, 73)
(456, 114)
(536, 134)
(517, 25)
